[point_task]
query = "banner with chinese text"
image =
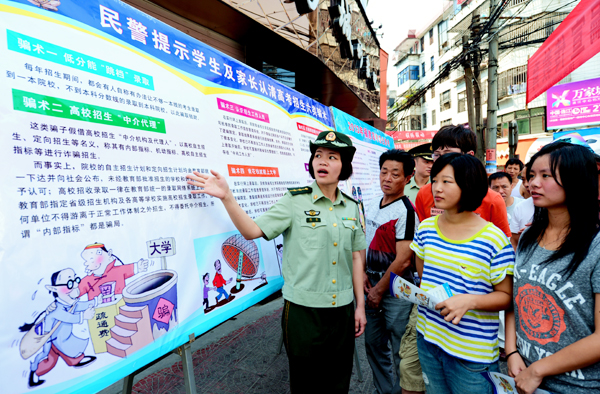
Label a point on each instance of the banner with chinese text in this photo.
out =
(575, 41)
(109, 261)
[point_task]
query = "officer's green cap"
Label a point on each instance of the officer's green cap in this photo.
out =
(423, 151)
(335, 141)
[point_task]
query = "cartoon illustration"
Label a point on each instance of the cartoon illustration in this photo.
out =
(505, 384)
(101, 269)
(52, 331)
(242, 256)
(219, 282)
(361, 207)
(279, 249)
(422, 299)
(206, 280)
(46, 4)
(150, 304)
(407, 291)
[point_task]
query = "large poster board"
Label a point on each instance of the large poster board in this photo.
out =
(108, 260)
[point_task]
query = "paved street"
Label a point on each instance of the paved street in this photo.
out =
(239, 356)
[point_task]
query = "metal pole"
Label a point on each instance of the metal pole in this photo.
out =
(480, 132)
(492, 105)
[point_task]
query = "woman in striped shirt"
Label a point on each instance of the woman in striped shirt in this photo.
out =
(460, 340)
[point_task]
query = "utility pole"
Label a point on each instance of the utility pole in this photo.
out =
(473, 92)
(492, 104)
(480, 132)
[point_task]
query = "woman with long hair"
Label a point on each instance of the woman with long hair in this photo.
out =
(553, 333)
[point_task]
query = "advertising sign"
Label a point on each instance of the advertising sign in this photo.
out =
(573, 104)
(575, 41)
(413, 135)
(109, 261)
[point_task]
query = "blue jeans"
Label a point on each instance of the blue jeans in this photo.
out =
(386, 327)
(446, 374)
(221, 292)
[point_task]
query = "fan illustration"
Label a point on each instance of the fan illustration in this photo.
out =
(242, 256)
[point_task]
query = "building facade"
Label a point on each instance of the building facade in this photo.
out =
(524, 26)
(328, 52)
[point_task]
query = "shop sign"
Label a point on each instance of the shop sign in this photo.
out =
(576, 103)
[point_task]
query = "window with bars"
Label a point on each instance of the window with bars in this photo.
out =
(415, 122)
(443, 36)
(433, 120)
(462, 101)
(445, 101)
(508, 79)
(432, 64)
(445, 77)
(422, 43)
(433, 91)
(431, 36)
(446, 122)
(423, 69)
(424, 120)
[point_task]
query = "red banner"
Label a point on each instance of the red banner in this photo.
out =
(407, 145)
(413, 135)
(573, 43)
(308, 129)
(247, 171)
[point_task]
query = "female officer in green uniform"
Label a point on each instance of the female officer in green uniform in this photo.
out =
(322, 264)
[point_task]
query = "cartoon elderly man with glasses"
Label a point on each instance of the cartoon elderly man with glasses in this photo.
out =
(57, 325)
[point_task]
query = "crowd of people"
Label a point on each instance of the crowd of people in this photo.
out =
(518, 249)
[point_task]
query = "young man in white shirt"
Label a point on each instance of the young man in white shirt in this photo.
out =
(501, 182)
(513, 168)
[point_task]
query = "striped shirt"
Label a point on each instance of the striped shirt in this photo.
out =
(470, 266)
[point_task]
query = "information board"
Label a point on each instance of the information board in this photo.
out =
(108, 260)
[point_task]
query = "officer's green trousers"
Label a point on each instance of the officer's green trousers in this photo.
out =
(320, 344)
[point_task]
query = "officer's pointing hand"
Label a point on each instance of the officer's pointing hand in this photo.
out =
(215, 186)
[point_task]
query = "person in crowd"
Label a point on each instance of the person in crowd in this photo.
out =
(513, 168)
(500, 182)
(522, 214)
(459, 340)
(459, 139)
(323, 267)
(423, 162)
(524, 189)
(553, 332)
(391, 223)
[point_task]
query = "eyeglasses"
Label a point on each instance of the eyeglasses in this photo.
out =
(70, 283)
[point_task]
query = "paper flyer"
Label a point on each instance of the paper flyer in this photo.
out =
(401, 288)
(504, 384)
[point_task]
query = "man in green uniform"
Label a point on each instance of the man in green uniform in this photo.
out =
(423, 162)
(322, 264)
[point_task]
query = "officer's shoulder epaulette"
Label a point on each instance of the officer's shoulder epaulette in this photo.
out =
(294, 191)
(349, 197)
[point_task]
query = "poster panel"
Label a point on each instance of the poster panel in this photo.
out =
(109, 261)
(370, 143)
(574, 104)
